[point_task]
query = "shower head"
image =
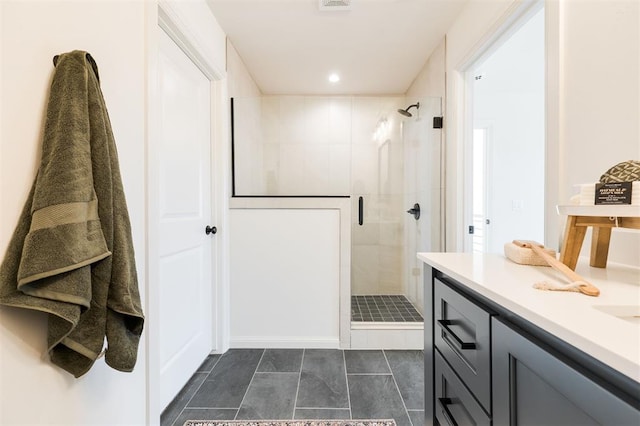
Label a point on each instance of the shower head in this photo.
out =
(406, 112)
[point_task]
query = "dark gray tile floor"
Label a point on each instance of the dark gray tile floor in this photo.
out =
(281, 384)
(377, 308)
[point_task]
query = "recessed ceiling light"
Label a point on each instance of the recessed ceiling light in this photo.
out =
(334, 78)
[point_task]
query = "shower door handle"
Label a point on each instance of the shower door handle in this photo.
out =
(360, 211)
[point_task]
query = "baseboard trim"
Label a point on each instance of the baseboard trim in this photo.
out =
(244, 342)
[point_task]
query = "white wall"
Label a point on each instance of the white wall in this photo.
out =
(287, 273)
(592, 98)
(240, 83)
(32, 391)
(120, 35)
(601, 99)
(431, 80)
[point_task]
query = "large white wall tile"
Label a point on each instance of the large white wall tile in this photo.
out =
(248, 146)
(365, 115)
(390, 269)
(395, 167)
(364, 169)
(391, 233)
(316, 120)
(364, 269)
(340, 120)
(271, 123)
(292, 119)
(316, 167)
(271, 153)
(339, 169)
(366, 234)
(292, 172)
(392, 208)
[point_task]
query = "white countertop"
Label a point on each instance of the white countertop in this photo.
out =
(573, 317)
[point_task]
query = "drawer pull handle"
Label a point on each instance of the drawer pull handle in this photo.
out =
(444, 403)
(444, 325)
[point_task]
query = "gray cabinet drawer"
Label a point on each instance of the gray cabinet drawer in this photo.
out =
(463, 336)
(454, 404)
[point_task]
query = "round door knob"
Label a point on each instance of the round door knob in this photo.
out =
(210, 230)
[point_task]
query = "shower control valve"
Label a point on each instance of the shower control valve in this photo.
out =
(415, 211)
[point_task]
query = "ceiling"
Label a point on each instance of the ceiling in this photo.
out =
(377, 47)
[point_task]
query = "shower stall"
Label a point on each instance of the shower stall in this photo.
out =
(385, 154)
(397, 197)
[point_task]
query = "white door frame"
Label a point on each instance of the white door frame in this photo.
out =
(186, 32)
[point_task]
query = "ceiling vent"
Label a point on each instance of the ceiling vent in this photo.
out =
(334, 5)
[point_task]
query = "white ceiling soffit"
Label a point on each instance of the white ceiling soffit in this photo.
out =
(377, 47)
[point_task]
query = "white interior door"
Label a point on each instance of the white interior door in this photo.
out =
(183, 210)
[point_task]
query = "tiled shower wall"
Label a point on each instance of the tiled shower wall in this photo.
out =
(337, 146)
(307, 145)
(249, 175)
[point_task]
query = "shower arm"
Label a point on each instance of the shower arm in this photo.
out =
(406, 112)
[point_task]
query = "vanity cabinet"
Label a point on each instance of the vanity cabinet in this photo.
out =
(533, 387)
(455, 404)
(484, 365)
(462, 337)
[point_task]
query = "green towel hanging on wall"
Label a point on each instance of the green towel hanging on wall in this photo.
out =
(71, 255)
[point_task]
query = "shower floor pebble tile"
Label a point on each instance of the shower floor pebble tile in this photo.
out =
(395, 308)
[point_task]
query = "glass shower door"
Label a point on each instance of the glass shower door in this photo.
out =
(424, 185)
(396, 164)
(376, 183)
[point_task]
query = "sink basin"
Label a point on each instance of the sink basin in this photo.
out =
(630, 313)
